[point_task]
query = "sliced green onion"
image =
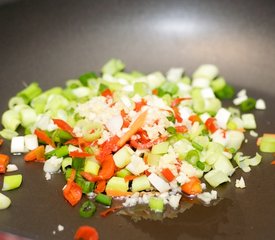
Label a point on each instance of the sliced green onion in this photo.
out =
(200, 165)
(62, 151)
(85, 185)
(11, 120)
(103, 199)
(8, 134)
(28, 117)
(12, 182)
(192, 157)
(248, 105)
(66, 163)
(218, 84)
(87, 209)
(84, 78)
(141, 88)
(30, 92)
(78, 163)
(227, 92)
(14, 101)
(197, 146)
(171, 130)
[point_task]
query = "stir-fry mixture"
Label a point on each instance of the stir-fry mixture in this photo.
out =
(144, 139)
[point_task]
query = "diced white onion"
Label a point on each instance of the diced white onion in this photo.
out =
(158, 183)
(18, 144)
(260, 104)
(31, 141)
(222, 117)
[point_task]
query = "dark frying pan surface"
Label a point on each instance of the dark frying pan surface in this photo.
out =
(52, 41)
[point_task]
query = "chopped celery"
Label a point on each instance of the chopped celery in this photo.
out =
(14, 101)
(91, 166)
(267, 143)
(140, 183)
(117, 184)
(153, 159)
(160, 148)
(8, 134)
(30, 92)
(156, 204)
(249, 121)
(12, 182)
(218, 84)
(84, 78)
(123, 156)
(208, 71)
(123, 173)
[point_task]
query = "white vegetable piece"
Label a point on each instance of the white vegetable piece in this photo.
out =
(18, 144)
(123, 156)
(174, 200)
(242, 93)
(5, 202)
(239, 100)
(240, 183)
(234, 139)
(81, 92)
(174, 74)
(260, 104)
(137, 165)
(114, 124)
(222, 117)
(208, 71)
(207, 197)
(31, 141)
(12, 168)
(204, 117)
(185, 112)
(200, 83)
(207, 93)
(249, 121)
(52, 165)
(158, 183)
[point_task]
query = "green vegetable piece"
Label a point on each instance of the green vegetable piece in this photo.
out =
(12, 182)
(86, 77)
(87, 209)
(11, 120)
(62, 151)
(248, 105)
(216, 177)
(113, 66)
(160, 148)
(123, 173)
(30, 92)
(197, 146)
(8, 134)
(227, 92)
(85, 185)
(171, 130)
(78, 163)
(66, 163)
(200, 165)
(156, 204)
(117, 184)
(140, 183)
(192, 157)
(103, 199)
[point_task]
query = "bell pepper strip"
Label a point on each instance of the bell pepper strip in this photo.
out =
(117, 193)
(177, 101)
(106, 172)
(1, 141)
(64, 126)
(181, 129)
(72, 191)
(137, 124)
(110, 210)
(4, 161)
(194, 118)
(86, 233)
(211, 124)
(37, 154)
(193, 187)
(177, 114)
(166, 172)
(107, 93)
(107, 148)
(139, 105)
(100, 187)
(42, 135)
(79, 154)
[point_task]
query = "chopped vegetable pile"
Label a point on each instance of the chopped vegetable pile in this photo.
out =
(139, 138)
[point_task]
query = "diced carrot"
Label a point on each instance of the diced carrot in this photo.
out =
(1, 141)
(37, 154)
(4, 161)
(273, 162)
(181, 129)
(79, 154)
(193, 187)
(138, 123)
(166, 172)
(194, 118)
(117, 193)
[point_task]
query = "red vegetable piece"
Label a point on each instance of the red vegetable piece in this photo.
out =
(42, 135)
(86, 233)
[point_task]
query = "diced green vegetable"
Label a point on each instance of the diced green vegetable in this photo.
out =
(103, 199)
(156, 204)
(5, 202)
(140, 183)
(87, 209)
(12, 182)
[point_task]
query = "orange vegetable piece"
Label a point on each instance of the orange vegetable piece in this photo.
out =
(193, 187)
(37, 154)
(4, 161)
(86, 233)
